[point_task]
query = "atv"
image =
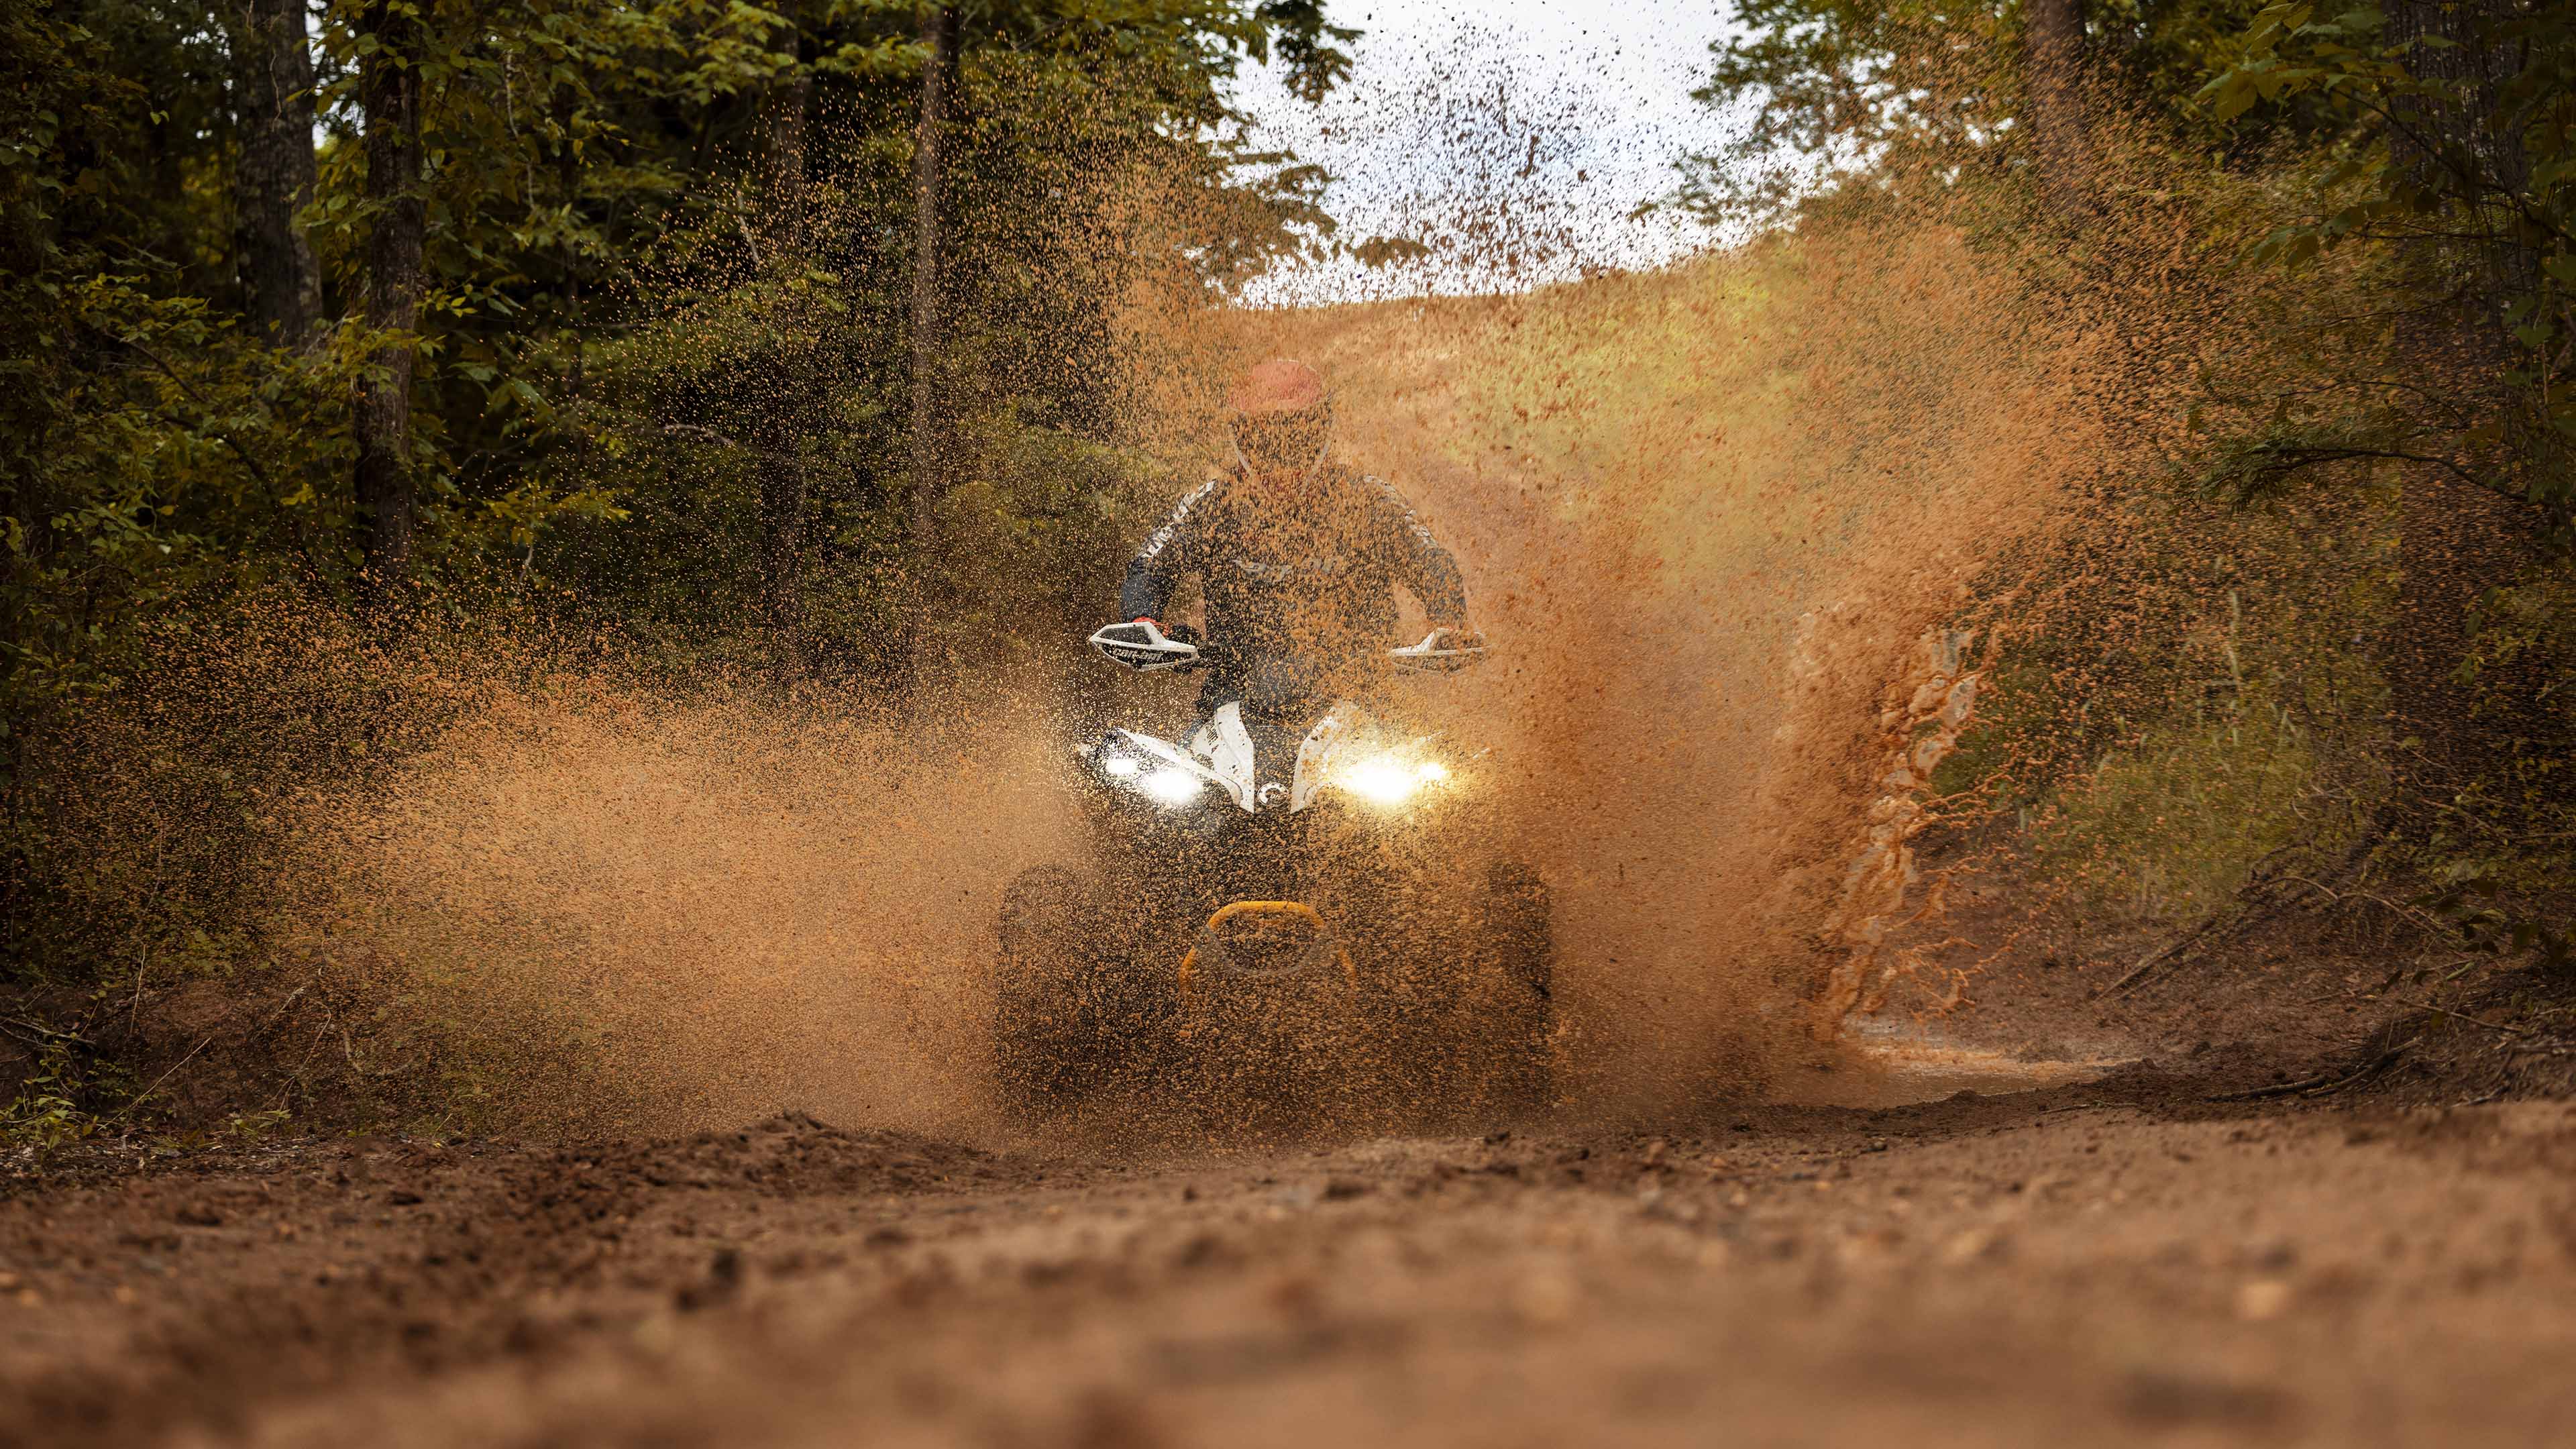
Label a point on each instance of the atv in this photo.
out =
(1294, 918)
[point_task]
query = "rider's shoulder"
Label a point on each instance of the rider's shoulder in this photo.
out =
(1187, 518)
(1380, 489)
(1217, 480)
(1210, 487)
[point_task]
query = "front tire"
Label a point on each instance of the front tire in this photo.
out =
(1042, 1060)
(1520, 944)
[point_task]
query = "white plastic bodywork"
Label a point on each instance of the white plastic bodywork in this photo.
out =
(1220, 750)
(1167, 753)
(1331, 735)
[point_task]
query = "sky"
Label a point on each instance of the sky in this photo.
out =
(1514, 137)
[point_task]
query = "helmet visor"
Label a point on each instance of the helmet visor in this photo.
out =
(1283, 442)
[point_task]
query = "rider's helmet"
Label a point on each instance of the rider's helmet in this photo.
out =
(1281, 420)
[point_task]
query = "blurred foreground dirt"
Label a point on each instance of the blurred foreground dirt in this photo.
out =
(2108, 1263)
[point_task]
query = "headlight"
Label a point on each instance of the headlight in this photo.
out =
(1390, 779)
(1171, 787)
(1128, 768)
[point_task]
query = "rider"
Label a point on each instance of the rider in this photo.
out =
(1299, 554)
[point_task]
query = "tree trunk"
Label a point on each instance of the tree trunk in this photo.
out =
(273, 111)
(939, 33)
(389, 95)
(568, 173)
(2453, 147)
(2053, 79)
(782, 555)
(2455, 540)
(783, 107)
(782, 470)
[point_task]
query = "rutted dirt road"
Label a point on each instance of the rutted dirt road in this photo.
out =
(2114, 1262)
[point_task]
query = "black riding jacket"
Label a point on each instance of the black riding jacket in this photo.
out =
(1311, 576)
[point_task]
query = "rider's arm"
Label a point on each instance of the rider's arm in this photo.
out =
(1417, 559)
(1171, 551)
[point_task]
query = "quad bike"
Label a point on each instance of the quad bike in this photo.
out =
(1293, 918)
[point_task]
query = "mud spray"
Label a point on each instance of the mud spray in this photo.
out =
(1717, 520)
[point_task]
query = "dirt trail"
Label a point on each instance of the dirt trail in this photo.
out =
(2107, 1263)
(678, 918)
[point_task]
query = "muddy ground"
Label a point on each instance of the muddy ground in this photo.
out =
(2122, 1260)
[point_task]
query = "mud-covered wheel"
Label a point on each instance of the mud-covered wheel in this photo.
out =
(1043, 1055)
(1521, 938)
(1405, 1018)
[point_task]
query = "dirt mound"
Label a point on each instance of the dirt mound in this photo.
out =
(296, 1264)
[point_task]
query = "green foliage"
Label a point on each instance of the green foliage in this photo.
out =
(2187, 705)
(669, 253)
(2474, 902)
(2371, 220)
(1881, 98)
(2499, 194)
(47, 1112)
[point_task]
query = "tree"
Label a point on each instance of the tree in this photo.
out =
(389, 94)
(938, 80)
(785, 106)
(2053, 54)
(2456, 540)
(2460, 164)
(273, 114)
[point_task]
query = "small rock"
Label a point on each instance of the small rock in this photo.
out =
(723, 1282)
(2262, 1300)
(1200, 1251)
(2176, 1400)
(2273, 1256)
(1968, 1247)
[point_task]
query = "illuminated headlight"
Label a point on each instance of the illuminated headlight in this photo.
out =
(1121, 767)
(1170, 787)
(1388, 780)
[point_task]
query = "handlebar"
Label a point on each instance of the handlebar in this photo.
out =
(1442, 651)
(1145, 648)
